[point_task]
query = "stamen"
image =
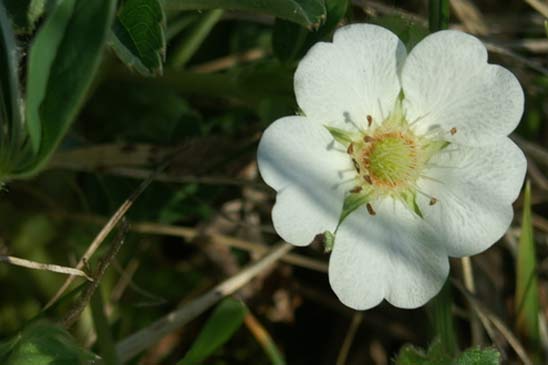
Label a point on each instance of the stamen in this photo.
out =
(433, 201)
(368, 139)
(370, 209)
(350, 149)
(453, 131)
(367, 179)
(356, 165)
(355, 190)
(369, 120)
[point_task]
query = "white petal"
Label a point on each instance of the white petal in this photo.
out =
(475, 188)
(448, 83)
(351, 78)
(391, 255)
(298, 158)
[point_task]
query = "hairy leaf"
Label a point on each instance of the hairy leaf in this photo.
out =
(63, 60)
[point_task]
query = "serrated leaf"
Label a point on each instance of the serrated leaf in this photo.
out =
(352, 202)
(138, 36)
(527, 296)
(411, 355)
(290, 41)
(309, 13)
(437, 355)
(477, 356)
(62, 62)
(227, 317)
(42, 343)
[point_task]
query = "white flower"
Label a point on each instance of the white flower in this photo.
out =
(413, 148)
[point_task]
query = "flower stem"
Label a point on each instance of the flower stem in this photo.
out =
(441, 315)
(438, 15)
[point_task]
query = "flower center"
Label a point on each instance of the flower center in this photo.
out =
(391, 160)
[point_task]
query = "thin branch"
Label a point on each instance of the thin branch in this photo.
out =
(469, 284)
(46, 267)
(139, 341)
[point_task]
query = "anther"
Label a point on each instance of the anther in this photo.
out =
(433, 201)
(370, 209)
(453, 131)
(350, 149)
(367, 178)
(355, 190)
(368, 139)
(369, 120)
(356, 165)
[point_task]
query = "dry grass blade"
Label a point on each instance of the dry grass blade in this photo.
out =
(46, 267)
(497, 323)
(190, 234)
(470, 16)
(109, 226)
(349, 338)
(264, 339)
(139, 341)
(539, 6)
(74, 313)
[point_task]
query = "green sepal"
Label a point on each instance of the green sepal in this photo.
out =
(352, 202)
(329, 241)
(433, 147)
(410, 200)
(340, 135)
(397, 115)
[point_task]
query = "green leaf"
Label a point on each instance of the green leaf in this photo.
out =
(309, 13)
(25, 13)
(227, 317)
(42, 343)
(527, 295)
(290, 41)
(138, 36)
(352, 202)
(11, 118)
(62, 62)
